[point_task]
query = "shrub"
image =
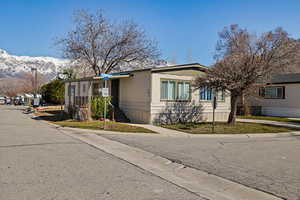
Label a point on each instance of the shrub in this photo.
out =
(54, 92)
(98, 107)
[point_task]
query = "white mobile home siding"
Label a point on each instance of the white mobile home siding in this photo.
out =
(287, 107)
(134, 97)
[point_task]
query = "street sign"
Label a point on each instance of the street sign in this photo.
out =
(62, 76)
(105, 92)
(106, 77)
(36, 102)
(215, 102)
(214, 110)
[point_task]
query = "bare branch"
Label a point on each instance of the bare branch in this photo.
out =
(243, 59)
(104, 46)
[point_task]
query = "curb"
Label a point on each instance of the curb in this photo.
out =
(273, 123)
(80, 130)
(103, 132)
(204, 185)
(186, 135)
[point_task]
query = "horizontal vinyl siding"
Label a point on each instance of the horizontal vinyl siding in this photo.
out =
(287, 107)
(134, 99)
(281, 111)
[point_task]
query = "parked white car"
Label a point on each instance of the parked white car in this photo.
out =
(2, 100)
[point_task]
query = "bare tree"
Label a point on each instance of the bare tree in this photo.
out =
(23, 84)
(27, 84)
(243, 59)
(82, 69)
(106, 46)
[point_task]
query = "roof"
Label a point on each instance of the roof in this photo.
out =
(196, 66)
(167, 68)
(286, 78)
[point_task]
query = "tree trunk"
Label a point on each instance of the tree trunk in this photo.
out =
(233, 104)
(245, 106)
(247, 109)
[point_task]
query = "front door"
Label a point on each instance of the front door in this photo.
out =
(115, 92)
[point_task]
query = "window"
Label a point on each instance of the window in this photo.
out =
(71, 90)
(221, 95)
(272, 92)
(96, 87)
(183, 91)
(174, 90)
(168, 90)
(207, 94)
(83, 88)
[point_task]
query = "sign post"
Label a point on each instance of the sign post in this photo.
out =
(214, 110)
(105, 93)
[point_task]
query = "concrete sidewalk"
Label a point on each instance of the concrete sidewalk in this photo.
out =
(162, 131)
(174, 133)
(274, 123)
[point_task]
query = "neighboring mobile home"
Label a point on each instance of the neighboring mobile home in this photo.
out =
(150, 95)
(281, 97)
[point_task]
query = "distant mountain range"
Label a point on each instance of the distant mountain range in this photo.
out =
(12, 66)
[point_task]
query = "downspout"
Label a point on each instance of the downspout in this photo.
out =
(150, 103)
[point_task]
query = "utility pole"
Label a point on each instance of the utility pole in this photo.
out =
(35, 99)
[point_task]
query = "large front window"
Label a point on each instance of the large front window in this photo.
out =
(175, 90)
(272, 92)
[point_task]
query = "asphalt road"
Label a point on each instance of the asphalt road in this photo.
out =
(39, 162)
(270, 164)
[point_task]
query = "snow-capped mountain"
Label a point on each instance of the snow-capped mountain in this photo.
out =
(13, 66)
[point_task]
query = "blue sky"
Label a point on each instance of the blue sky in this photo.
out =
(186, 30)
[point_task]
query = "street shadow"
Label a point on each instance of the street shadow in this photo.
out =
(53, 116)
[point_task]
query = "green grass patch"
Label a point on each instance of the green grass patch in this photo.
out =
(62, 120)
(278, 119)
(224, 128)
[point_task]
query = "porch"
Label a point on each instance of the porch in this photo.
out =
(80, 93)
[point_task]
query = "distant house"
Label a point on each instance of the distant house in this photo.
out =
(280, 97)
(153, 94)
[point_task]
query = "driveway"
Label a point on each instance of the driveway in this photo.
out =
(39, 162)
(270, 163)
